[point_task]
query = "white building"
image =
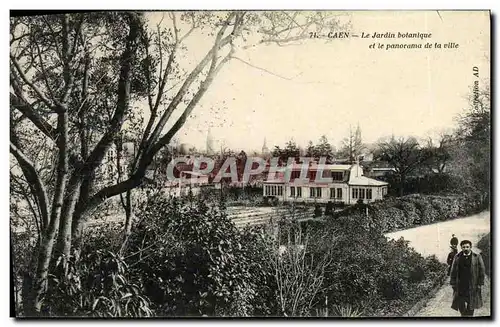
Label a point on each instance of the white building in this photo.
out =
(347, 185)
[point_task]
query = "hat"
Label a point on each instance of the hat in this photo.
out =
(454, 240)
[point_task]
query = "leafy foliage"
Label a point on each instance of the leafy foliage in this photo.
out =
(322, 149)
(393, 214)
(388, 274)
(191, 255)
(472, 153)
(99, 285)
(484, 245)
(291, 150)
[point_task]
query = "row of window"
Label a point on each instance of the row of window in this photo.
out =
(316, 192)
(276, 190)
(359, 193)
(292, 191)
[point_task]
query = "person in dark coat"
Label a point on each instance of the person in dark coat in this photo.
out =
(453, 252)
(466, 278)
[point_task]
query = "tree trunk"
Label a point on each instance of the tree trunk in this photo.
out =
(402, 180)
(49, 234)
(27, 287)
(64, 240)
(128, 221)
(127, 202)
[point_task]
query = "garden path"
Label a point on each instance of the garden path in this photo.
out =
(434, 239)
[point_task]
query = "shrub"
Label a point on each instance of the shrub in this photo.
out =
(258, 246)
(191, 255)
(318, 212)
(367, 266)
(391, 286)
(100, 284)
(346, 311)
(393, 214)
(329, 208)
(484, 245)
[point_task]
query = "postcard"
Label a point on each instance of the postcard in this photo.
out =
(290, 164)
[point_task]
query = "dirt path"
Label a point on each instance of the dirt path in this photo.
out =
(434, 239)
(439, 305)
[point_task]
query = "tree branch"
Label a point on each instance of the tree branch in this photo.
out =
(30, 84)
(26, 195)
(27, 110)
(219, 43)
(122, 105)
(33, 178)
(44, 71)
(262, 69)
(213, 71)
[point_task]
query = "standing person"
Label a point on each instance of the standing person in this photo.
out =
(453, 252)
(466, 278)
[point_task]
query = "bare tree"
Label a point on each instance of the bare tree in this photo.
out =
(352, 145)
(299, 274)
(403, 154)
(438, 155)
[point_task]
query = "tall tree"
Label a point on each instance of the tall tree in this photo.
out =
(471, 154)
(439, 153)
(291, 150)
(352, 145)
(322, 149)
(403, 154)
(75, 78)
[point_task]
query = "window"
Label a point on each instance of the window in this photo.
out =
(361, 193)
(292, 191)
(339, 193)
(299, 192)
(337, 176)
(384, 191)
(369, 194)
(312, 192)
(332, 193)
(295, 174)
(318, 192)
(354, 193)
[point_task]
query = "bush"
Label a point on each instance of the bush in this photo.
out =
(390, 274)
(258, 246)
(191, 255)
(329, 209)
(394, 214)
(318, 212)
(100, 284)
(484, 245)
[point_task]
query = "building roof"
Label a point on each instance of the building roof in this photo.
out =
(316, 166)
(274, 181)
(365, 181)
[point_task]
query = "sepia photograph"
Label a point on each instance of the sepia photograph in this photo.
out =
(271, 164)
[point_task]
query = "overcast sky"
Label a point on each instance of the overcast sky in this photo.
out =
(326, 87)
